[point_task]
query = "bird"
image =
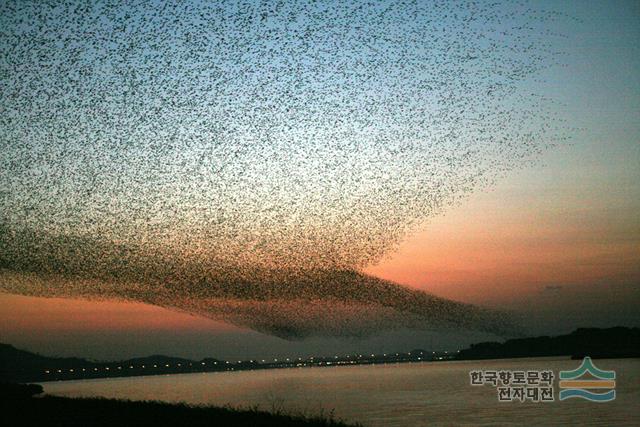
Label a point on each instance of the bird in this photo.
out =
(219, 154)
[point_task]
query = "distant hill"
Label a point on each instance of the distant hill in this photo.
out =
(11, 356)
(22, 366)
(594, 342)
(158, 359)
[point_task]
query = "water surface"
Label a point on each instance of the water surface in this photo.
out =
(410, 394)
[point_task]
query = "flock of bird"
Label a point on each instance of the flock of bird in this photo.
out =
(244, 160)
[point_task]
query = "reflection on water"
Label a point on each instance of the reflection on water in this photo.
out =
(382, 395)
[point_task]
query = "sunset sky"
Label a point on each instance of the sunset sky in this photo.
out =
(556, 239)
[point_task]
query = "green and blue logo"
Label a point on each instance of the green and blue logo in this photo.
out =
(572, 385)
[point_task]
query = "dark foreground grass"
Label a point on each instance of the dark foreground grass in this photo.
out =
(61, 411)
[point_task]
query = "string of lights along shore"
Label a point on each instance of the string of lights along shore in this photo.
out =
(154, 365)
(245, 161)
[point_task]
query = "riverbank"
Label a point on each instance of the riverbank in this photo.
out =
(21, 405)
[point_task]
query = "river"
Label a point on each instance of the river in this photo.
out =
(409, 394)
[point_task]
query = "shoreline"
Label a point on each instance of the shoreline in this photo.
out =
(324, 366)
(616, 342)
(25, 405)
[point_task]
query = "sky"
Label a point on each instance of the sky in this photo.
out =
(555, 238)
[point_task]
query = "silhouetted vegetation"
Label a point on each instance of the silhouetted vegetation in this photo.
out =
(11, 391)
(19, 408)
(593, 342)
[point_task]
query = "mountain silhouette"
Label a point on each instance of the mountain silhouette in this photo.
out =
(20, 366)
